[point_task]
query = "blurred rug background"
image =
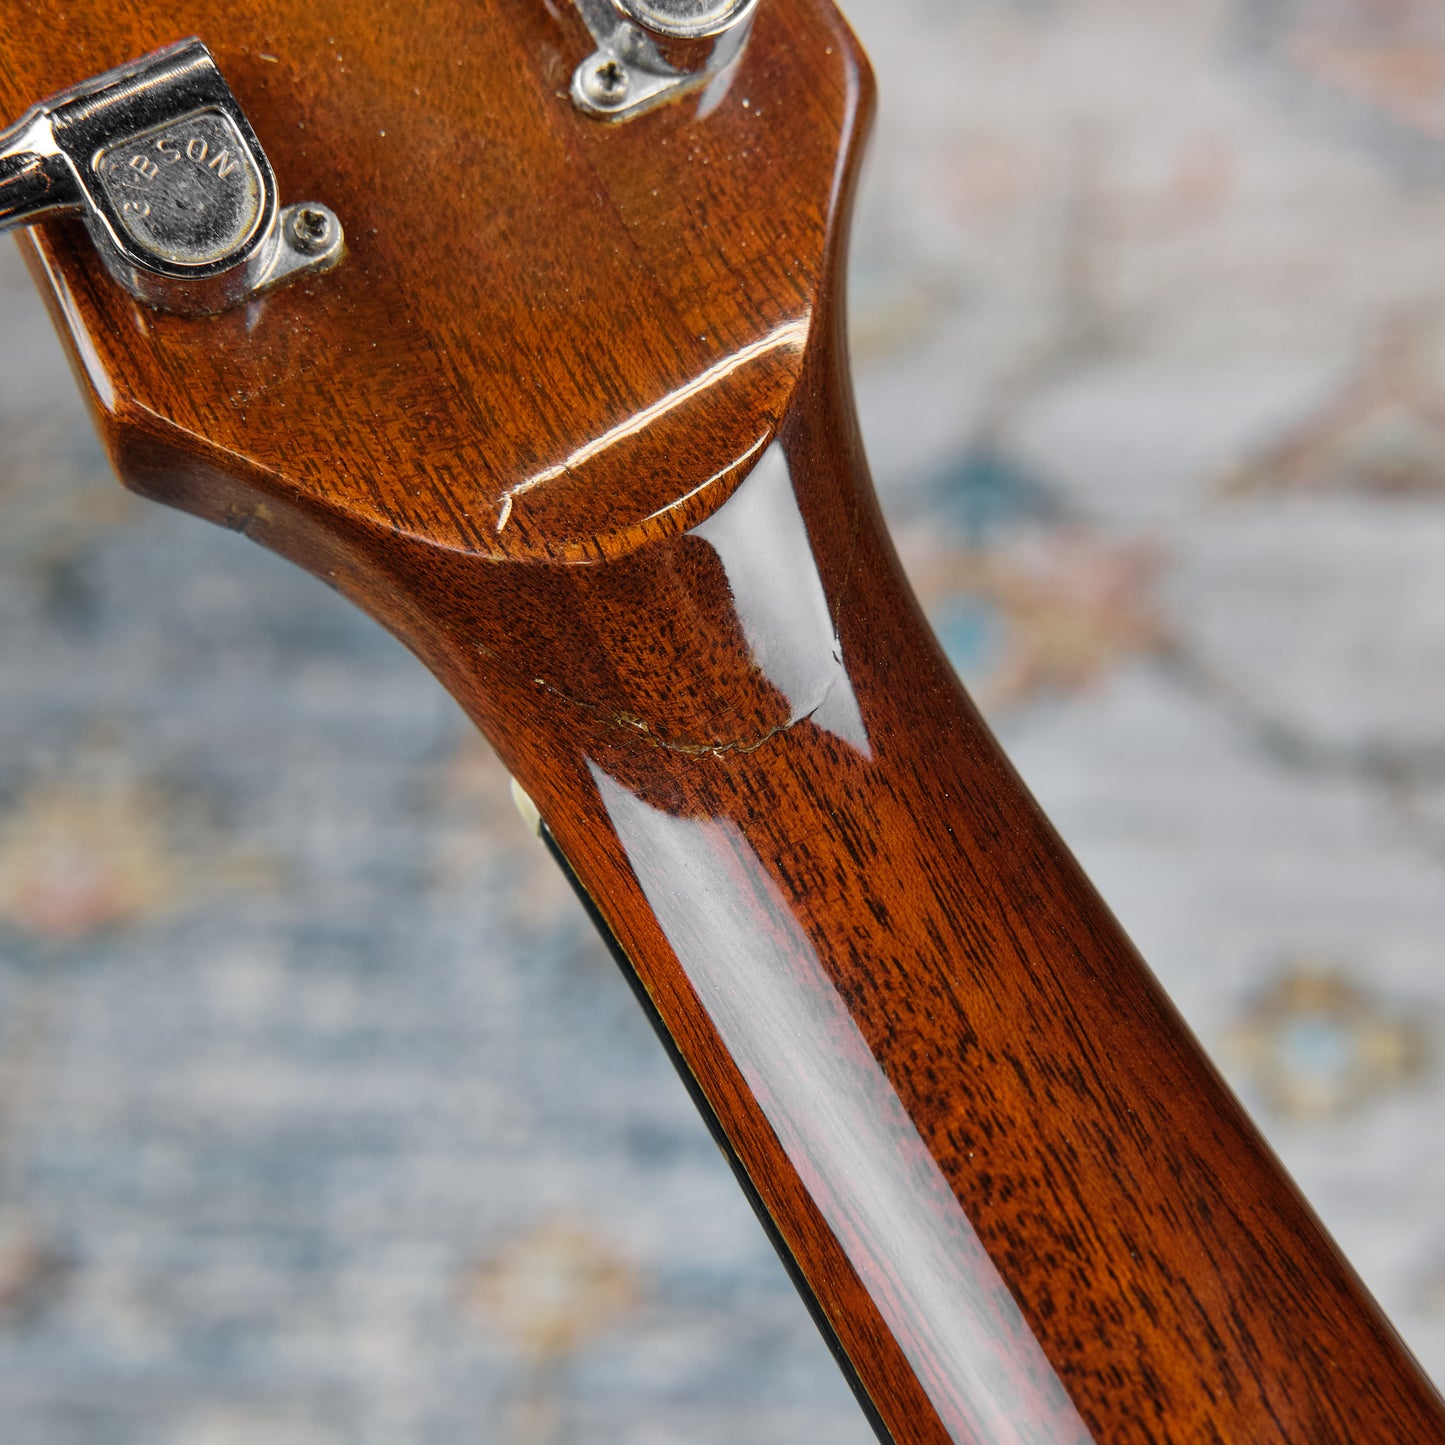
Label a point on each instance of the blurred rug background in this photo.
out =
(323, 1117)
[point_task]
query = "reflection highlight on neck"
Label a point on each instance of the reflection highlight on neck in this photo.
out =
(843, 1127)
(792, 336)
(762, 540)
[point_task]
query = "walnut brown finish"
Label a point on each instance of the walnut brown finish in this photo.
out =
(573, 420)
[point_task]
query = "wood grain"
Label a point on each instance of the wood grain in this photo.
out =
(573, 420)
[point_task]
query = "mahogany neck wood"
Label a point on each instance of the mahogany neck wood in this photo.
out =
(1021, 1200)
(597, 465)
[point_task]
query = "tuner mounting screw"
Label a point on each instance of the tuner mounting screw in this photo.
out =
(605, 82)
(312, 229)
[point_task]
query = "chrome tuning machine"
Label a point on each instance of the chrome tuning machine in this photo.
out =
(651, 51)
(158, 159)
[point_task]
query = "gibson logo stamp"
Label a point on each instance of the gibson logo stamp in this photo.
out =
(188, 191)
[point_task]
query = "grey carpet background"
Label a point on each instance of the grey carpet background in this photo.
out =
(323, 1117)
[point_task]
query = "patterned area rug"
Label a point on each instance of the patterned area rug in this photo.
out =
(323, 1118)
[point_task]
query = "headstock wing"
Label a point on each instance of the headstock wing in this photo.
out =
(552, 337)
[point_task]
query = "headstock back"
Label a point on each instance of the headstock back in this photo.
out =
(552, 337)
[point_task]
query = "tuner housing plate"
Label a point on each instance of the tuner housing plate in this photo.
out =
(158, 159)
(652, 51)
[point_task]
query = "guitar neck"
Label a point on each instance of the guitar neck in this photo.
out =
(1023, 1202)
(572, 419)
(1018, 1197)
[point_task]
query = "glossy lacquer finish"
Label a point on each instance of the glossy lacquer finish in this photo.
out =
(573, 420)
